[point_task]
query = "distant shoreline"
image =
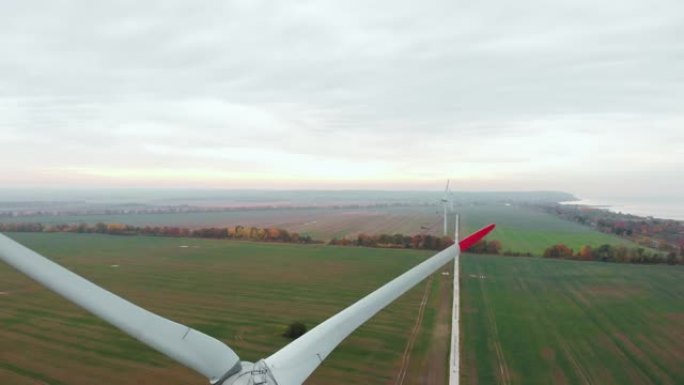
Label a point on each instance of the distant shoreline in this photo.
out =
(665, 210)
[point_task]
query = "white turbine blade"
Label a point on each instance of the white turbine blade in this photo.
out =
(292, 364)
(189, 347)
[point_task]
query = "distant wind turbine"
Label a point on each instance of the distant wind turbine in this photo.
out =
(451, 200)
(445, 204)
(210, 357)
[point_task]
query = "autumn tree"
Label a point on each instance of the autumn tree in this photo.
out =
(558, 251)
(585, 253)
(493, 247)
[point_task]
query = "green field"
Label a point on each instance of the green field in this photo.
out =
(242, 293)
(524, 320)
(536, 321)
(526, 230)
(519, 228)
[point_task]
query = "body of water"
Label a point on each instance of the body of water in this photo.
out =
(667, 208)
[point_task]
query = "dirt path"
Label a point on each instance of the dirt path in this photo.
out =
(406, 357)
(435, 369)
(504, 374)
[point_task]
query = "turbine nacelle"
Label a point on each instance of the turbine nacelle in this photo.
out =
(251, 374)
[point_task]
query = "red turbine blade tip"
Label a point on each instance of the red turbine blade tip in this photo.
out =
(475, 237)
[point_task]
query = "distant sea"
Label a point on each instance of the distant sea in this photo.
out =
(666, 208)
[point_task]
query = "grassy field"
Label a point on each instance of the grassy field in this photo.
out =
(534, 321)
(242, 293)
(522, 229)
(524, 320)
(518, 228)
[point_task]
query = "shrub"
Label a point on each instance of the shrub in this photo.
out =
(295, 330)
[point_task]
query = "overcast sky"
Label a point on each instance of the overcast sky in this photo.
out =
(581, 96)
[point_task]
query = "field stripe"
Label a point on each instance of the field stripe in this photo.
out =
(504, 374)
(406, 356)
(30, 374)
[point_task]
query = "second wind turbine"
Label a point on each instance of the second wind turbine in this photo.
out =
(445, 203)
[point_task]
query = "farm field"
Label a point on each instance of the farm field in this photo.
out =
(536, 321)
(518, 228)
(242, 293)
(320, 223)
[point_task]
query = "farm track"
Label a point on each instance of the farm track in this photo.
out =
(406, 356)
(435, 367)
(504, 374)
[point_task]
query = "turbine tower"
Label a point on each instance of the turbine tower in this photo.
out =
(456, 225)
(445, 203)
(451, 200)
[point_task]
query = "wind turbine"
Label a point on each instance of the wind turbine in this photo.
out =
(445, 203)
(208, 356)
(451, 200)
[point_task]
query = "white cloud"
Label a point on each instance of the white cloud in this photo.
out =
(554, 95)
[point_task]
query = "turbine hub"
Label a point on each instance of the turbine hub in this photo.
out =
(251, 374)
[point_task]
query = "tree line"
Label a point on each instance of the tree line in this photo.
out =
(603, 253)
(421, 242)
(610, 253)
(399, 241)
(251, 233)
(666, 235)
